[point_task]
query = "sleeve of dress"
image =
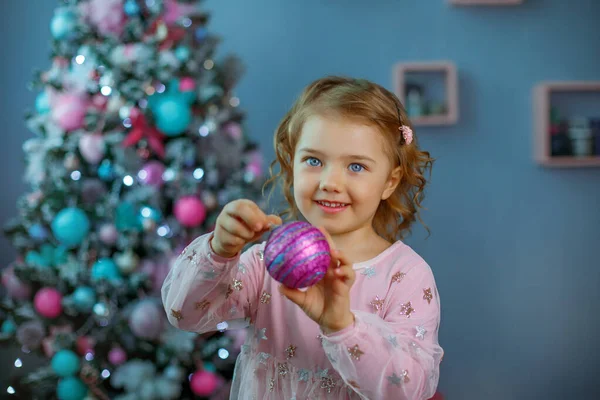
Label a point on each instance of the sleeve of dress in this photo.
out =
(205, 292)
(394, 355)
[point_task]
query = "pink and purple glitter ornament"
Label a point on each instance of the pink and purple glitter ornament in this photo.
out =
(297, 254)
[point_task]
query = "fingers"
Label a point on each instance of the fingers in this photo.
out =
(274, 220)
(343, 267)
(296, 296)
(250, 214)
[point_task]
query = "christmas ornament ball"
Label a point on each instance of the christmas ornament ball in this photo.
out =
(84, 298)
(71, 388)
(117, 356)
(65, 363)
(190, 211)
(48, 302)
(105, 268)
(146, 320)
(297, 254)
(70, 226)
(203, 383)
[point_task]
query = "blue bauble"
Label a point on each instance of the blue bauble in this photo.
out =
(131, 8)
(127, 217)
(71, 388)
(8, 327)
(38, 232)
(173, 114)
(201, 34)
(65, 363)
(70, 226)
(63, 24)
(42, 103)
(105, 268)
(106, 171)
(84, 298)
(182, 53)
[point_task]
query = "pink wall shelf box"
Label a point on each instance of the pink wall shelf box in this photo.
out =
(542, 138)
(485, 2)
(401, 77)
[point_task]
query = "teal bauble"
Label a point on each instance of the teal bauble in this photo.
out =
(71, 388)
(65, 363)
(63, 24)
(173, 114)
(84, 298)
(105, 268)
(70, 226)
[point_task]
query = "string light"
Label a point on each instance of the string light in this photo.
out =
(198, 173)
(223, 354)
(80, 59)
(18, 363)
(222, 326)
(105, 373)
(128, 180)
(10, 390)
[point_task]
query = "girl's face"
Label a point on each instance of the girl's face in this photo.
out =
(341, 173)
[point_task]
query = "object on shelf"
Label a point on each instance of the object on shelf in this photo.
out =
(581, 137)
(567, 124)
(429, 91)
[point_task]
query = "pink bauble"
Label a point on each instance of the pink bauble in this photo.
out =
(108, 234)
(117, 356)
(15, 288)
(92, 147)
(146, 320)
(48, 302)
(187, 84)
(234, 130)
(203, 383)
(190, 211)
(254, 168)
(152, 173)
(69, 111)
(297, 254)
(84, 345)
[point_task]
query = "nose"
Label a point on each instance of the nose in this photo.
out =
(331, 180)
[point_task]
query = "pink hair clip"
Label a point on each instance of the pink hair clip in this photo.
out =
(407, 134)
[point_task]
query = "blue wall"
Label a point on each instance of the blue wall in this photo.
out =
(514, 246)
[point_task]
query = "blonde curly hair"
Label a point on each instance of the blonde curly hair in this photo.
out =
(363, 101)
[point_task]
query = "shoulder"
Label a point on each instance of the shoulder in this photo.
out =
(406, 268)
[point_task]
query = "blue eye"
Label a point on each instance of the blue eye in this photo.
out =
(313, 162)
(356, 167)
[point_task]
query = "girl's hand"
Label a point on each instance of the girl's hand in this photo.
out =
(240, 223)
(328, 301)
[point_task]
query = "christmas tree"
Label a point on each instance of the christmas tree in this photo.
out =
(139, 143)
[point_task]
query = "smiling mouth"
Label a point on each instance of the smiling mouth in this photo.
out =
(331, 207)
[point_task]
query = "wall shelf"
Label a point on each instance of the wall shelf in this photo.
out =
(402, 78)
(542, 106)
(485, 2)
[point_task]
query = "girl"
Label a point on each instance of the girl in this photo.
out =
(369, 329)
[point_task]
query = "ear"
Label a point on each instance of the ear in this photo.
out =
(392, 183)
